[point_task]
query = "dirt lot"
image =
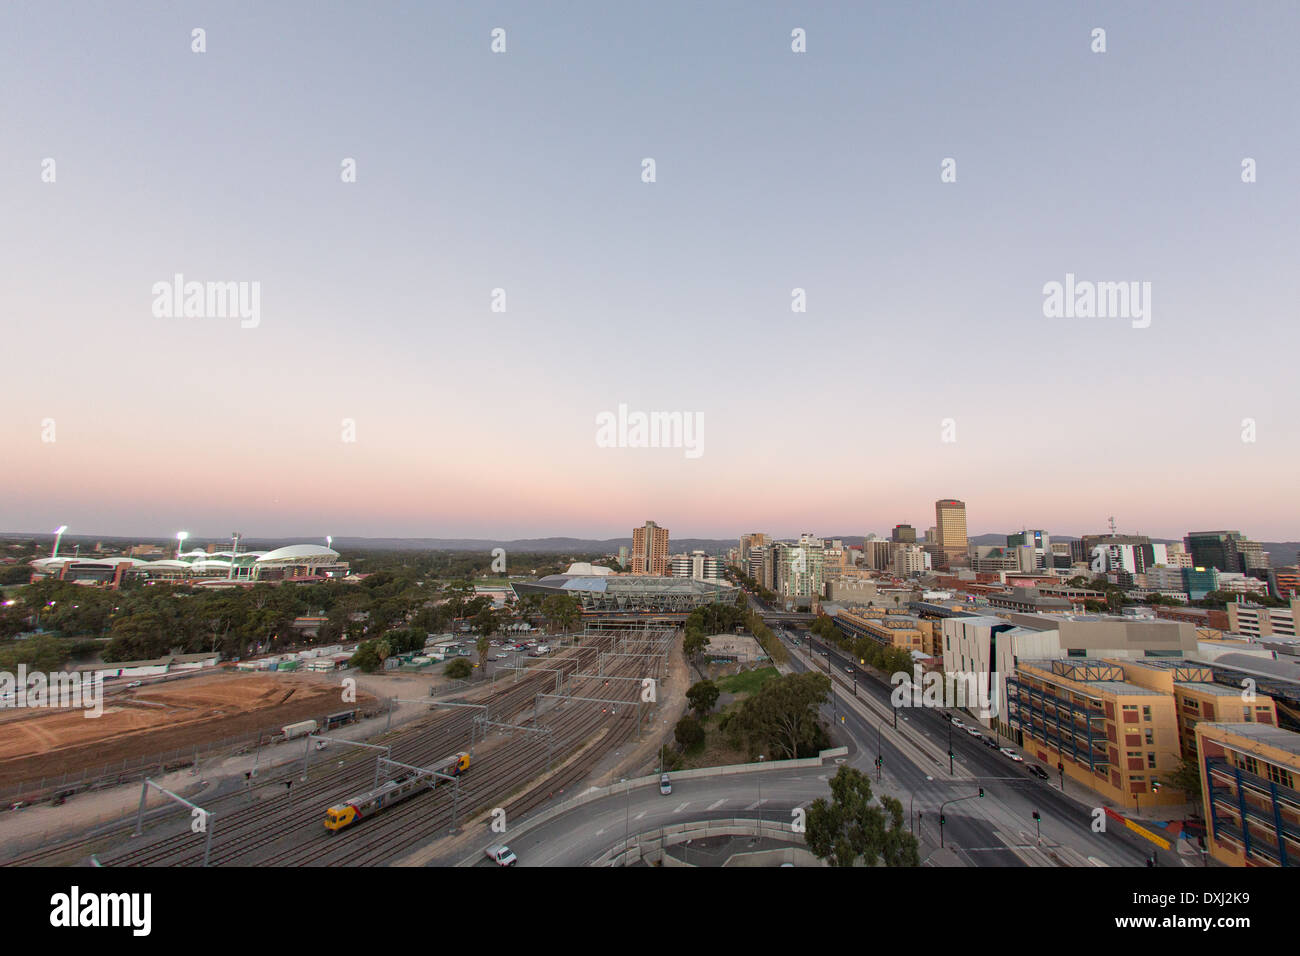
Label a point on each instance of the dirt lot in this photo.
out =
(150, 720)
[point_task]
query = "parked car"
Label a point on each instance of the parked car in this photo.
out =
(136, 683)
(501, 855)
(1012, 754)
(990, 743)
(974, 732)
(1037, 771)
(958, 724)
(665, 785)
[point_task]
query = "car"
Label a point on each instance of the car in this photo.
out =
(501, 657)
(1012, 754)
(848, 669)
(665, 785)
(974, 732)
(501, 855)
(1037, 771)
(136, 683)
(990, 743)
(958, 724)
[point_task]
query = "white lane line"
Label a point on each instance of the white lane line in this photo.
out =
(680, 807)
(639, 815)
(716, 803)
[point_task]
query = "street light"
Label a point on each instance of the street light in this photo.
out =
(180, 542)
(58, 533)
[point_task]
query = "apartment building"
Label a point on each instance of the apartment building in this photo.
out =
(1107, 733)
(650, 550)
(1250, 785)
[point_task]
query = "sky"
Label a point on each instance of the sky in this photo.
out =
(523, 171)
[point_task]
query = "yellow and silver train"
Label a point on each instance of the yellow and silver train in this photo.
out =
(372, 801)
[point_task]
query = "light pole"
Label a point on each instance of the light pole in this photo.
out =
(180, 542)
(58, 533)
(950, 769)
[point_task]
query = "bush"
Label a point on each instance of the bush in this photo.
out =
(459, 669)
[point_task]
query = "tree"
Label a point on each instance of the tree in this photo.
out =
(486, 622)
(562, 611)
(482, 645)
(848, 828)
(459, 669)
(782, 717)
(693, 645)
(702, 696)
(366, 659)
(1187, 778)
(689, 732)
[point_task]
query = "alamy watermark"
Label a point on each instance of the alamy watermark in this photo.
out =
(55, 690)
(1098, 300)
(179, 299)
(624, 429)
(959, 689)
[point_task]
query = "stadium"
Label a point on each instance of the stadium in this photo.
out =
(294, 563)
(604, 594)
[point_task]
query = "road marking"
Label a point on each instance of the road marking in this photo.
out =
(682, 806)
(756, 803)
(716, 803)
(639, 815)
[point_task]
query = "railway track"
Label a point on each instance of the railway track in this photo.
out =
(282, 826)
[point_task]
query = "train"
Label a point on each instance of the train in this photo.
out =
(399, 788)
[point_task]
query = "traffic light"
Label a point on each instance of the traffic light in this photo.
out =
(1037, 816)
(942, 819)
(981, 791)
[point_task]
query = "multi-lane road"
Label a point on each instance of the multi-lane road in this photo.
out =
(996, 830)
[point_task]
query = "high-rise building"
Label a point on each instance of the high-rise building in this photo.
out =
(903, 534)
(748, 542)
(1040, 544)
(650, 549)
(698, 566)
(950, 528)
(908, 559)
(1215, 549)
(800, 570)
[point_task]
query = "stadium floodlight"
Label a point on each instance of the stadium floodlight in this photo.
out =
(329, 541)
(180, 542)
(58, 533)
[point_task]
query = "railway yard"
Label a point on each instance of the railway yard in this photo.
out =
(532, 735)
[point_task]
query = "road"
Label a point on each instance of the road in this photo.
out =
(997, 830)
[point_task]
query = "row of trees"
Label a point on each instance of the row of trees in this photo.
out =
(887, 659)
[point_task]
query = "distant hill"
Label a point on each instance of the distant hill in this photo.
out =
(1281, 552)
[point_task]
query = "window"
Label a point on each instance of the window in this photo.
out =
(1146, 712)
(1150, 736)
(1151, 760)
(1280, 777)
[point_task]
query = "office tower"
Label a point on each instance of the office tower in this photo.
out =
(650, 549)
(950, 528)
(1040, 545)
(1215, 549)
(903, 534)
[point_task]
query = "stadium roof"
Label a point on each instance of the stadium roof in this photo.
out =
(296, 554)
